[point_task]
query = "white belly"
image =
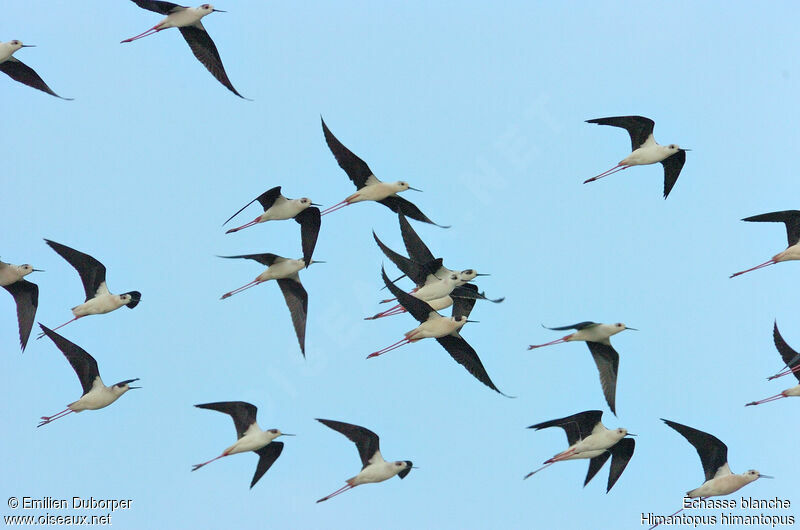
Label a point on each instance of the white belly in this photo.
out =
(101, 304)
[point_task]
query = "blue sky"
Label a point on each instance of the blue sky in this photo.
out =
(483, 108)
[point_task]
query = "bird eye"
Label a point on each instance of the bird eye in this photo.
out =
(274, 431)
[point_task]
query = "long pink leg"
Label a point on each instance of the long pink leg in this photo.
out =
(558, 341)
(560, 456)
(251, 223)
(765, 264)
(335, 207)
(537, 470)
(240, 289)
(337, 492)
(767, 400)
(40, 335)
(615, 169)
(786, 371)
(388, 313)
(674, 514)
(154, 29)
(54, 417)
(389, 348)
(198, 466)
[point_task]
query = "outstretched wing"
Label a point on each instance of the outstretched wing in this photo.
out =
(466, 356)
(266, 199)
(576, 427)
(267, 456)
(83, 363)
(607, 361)
(266, 258)
(26, 297)
(416, 248)
(672, 168)
(789, 356)
(621, 453)
(297, 300)
(791, 218)
(165, 8)
(310, 220)
(639, 128)
(91, 271)
(243, 413)
(19, 71)
(206, 52)
(414, 270)
(579, 326)
(358, 170)
(400, 205)
(713, 453)
(366, 441)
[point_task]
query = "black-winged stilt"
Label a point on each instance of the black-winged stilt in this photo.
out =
(187, 20)
(714, 457)
(605, 357)
(284, 271)
(93, 276)
(589, 438)
(645, 149)
(25, 293)
(19, 71)
(374, 467)
(444, 330)
(96, 395)
(249, 435)
(791, 218)
(369, 187)
(791, 360)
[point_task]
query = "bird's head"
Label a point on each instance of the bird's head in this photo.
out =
(402, 185)
(403, 467)
(123, 386)
(131, 299)
(274, 433)
(208, 8)
(27, 269)
(16, 45)
(753, 475)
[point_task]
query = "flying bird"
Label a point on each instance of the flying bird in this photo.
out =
(605, 356)
(714, 457)
(589, 438)
(187, 20)
(279, 208)
(369, 187)
(645, 149)
(792, 366)
(25, 293)
(444, 330)
(791, 218)
(96, 395)
(374, 468)
(93, 275)
(250, 436)
(19, 71)
(284, 271)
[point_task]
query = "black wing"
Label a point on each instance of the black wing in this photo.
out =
(267, 456)
(310, 221)
(91, 271)
(416, 271)
(466, 356)
(243, 413)
(26, 297)
(19, 71)
(462, 305)
(165, 8)
(297, 299)
(366, 441)
(266, 258)
(356, 169)
(713, 453)
(638, 127)
(417, 308)
(206, 52)
(579, 326)
(407, 208)
(466, 291)
(267, 199)
(83, 363)
(417, 250)
(607, 361)
(791, 218)
(789, 356)
(672, 168)
(595, 465)
(621, 452)
(577, 427)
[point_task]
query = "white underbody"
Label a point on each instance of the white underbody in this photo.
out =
(185, 17)
(378, 470)
(791, 253)
(599, 333)
(99, 305)
(723, 483)
(254, 439)
(7, 50)
(435, 327)
(282, 209)
(98, 397)
(282, 269)
(648, 153)
(11, 273)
